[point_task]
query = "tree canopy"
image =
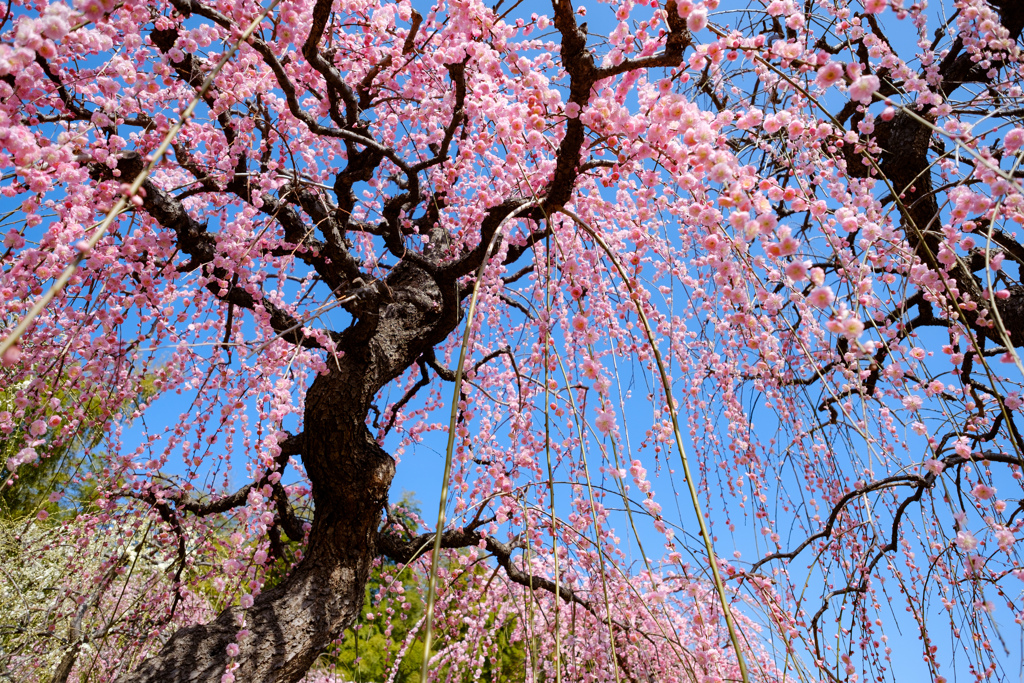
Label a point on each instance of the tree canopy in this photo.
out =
(714, 308)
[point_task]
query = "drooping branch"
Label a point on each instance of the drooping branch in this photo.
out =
(423, 381)
(676, 42)
(470, 261)
(579, 63)
(837, 509)
(920, 483)
(457, 73)
(336, 85)
(352, 132)
(331, 259)
(365, 87)
(70, 104)
(503, 554)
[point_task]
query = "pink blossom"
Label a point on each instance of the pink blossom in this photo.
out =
(797, 270)
(13, 239)
(605, 421)
(23, 456)
(11, 357)
(697, 20)
(821, 297)
(852, 327)
(652, 507)
(829, 75)
(966, 541)
(772, 124)
(863, 88)
(983, 492)
(1004, 537)
(912, 403)
(1013, 140)
(770, 264)
(720, 173)
(93, 9)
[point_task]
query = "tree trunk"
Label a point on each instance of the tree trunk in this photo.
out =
(290, 625)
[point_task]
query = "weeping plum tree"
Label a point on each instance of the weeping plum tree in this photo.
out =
(721, 314)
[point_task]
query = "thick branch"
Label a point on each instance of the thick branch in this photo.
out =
(405, 551)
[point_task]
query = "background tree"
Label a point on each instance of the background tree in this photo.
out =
(55, 599)
(774, 245)
(61, 475)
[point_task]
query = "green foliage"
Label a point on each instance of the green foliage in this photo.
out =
(369, 651)
(366, 652)
(34, 561)
(53, 587)
(511, 664)
(27, 488)
(68, 466)
(286, 557)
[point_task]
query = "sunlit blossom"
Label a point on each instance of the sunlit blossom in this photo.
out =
(863, 88)
(829, 74)
(966, 541)
(821, 297)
